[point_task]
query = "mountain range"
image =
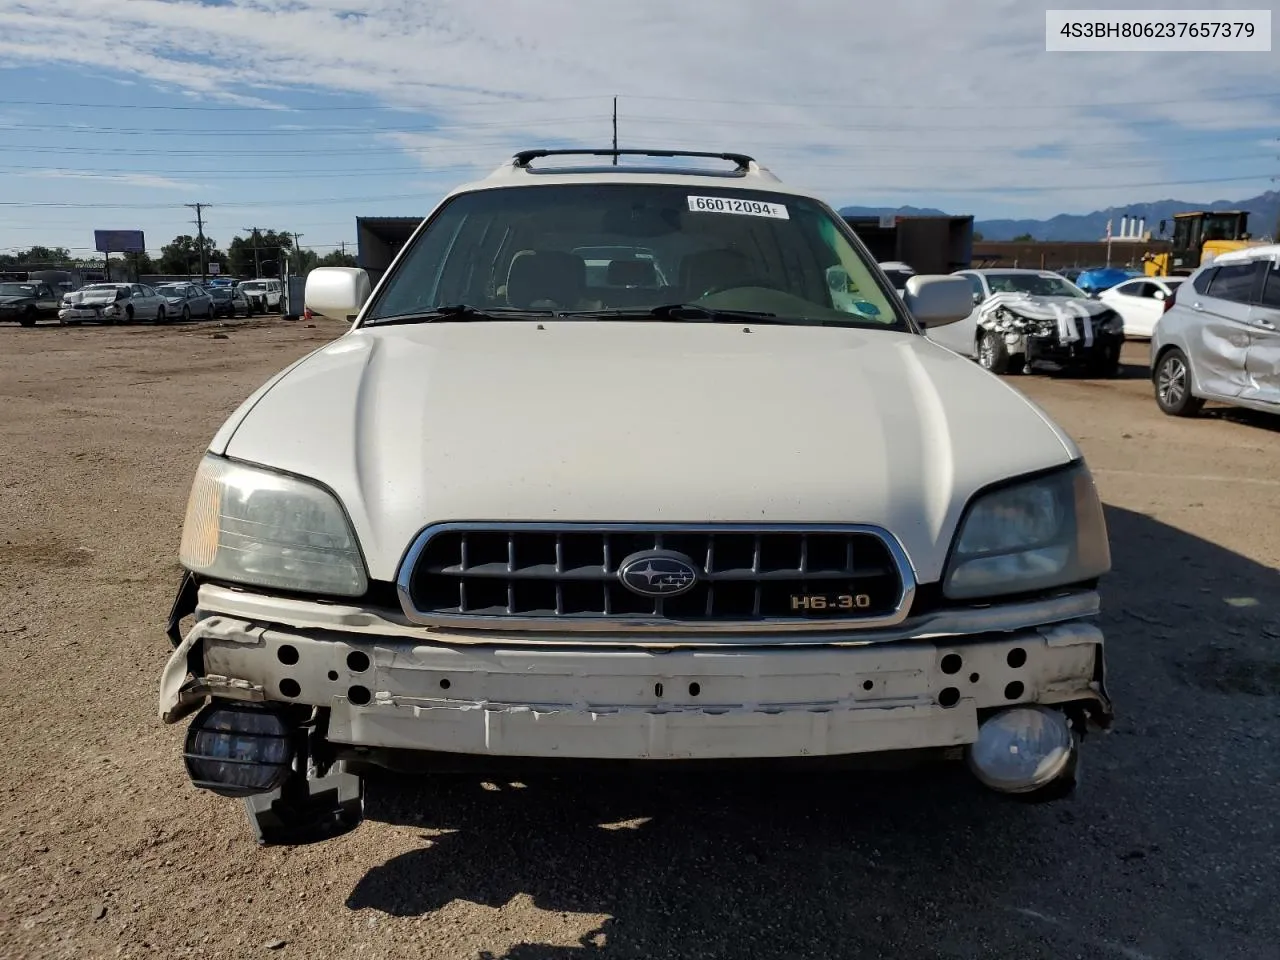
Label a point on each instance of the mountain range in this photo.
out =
(1264, 214)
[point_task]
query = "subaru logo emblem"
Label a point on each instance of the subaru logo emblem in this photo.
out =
(658, 573)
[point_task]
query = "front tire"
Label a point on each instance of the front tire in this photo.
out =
(1172, 379)
(28, 318)
(993, 355)
(1107, 364)
(186, 313)
(160, 315)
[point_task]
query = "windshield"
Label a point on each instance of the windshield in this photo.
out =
(253, 286)
(100, 288)
(632, 247)
(1036, 284)
(220, 293)
(171, 290)
(17, 290)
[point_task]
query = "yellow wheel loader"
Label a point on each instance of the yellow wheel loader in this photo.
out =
(1198, 237)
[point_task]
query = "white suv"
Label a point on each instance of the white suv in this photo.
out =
(739, 508)
(263, 295)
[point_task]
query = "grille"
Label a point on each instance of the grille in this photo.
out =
(557, 576)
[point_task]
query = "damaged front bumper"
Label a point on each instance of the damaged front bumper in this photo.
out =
(1101, 350)
(1063, 341)
(392, 686)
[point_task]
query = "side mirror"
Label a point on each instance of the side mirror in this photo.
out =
(936, 301)
(1158, 295)
(337, 292)
(977, 298)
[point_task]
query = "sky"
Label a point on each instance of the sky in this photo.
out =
(301, 115)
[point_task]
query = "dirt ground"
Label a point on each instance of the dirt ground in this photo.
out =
(1169, 850)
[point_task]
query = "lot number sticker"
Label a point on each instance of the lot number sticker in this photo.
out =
(750, 208)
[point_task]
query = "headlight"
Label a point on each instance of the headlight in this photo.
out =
(255, 526)
(1033, 535)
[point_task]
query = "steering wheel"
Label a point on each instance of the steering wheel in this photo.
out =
(765, 282)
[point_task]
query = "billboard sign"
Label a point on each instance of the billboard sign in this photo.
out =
(119, 241)
(215, 268)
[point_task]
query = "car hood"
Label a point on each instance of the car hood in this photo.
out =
(106, 296)
(1044, 308)
(16, 301)
(643, 422)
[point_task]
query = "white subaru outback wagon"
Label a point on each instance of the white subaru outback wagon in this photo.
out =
(719, 499)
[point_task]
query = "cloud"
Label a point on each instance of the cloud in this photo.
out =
(863, 104)
(122, 179)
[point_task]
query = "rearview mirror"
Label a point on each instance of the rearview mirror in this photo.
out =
(936, 301)
(337, 292)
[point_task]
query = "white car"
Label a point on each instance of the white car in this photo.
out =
(751, 514)
(1023, 320)
(113, 303)
(898, 273)
(1141, 302)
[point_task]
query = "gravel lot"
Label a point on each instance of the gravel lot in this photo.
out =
(1170, 850)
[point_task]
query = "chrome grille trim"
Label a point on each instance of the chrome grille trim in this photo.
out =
(613, 621)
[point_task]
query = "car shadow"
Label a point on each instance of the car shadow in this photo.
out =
(1148, 852)
(1125, 371)
(1246, 418)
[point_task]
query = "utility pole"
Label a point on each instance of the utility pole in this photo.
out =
(257, 261)
(343, 245)
(615, 131)
(199, 209)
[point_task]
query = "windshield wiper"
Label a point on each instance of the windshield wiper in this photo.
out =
(684, 313)
(460, 312)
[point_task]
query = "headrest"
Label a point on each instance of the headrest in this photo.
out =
(632, 273)
(713, 268)
(538, 275)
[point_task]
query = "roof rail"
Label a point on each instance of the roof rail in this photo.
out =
(524, 157)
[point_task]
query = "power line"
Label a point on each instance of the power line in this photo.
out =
(1208, 96)
(1146, 161)
(790, 145)
(755, 122)
(356, 130)
(212, 108)
(1046, 188)
(272, 204)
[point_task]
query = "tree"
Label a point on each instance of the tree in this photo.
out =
(36, 255)
(302, 262)
(142, 262)
(337, 258)
(245, 261)
(977, 236)
(183, 255)
(1024, 238)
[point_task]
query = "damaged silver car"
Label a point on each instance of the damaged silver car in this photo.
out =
(1028, 320)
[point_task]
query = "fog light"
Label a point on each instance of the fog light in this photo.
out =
(1022, 749)
(238, 750)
